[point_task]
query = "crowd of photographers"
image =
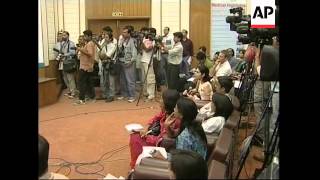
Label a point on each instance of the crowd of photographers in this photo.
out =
(160, 61)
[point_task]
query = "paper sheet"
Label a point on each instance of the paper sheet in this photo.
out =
(133, 126)
(236, 84)
(146, 152)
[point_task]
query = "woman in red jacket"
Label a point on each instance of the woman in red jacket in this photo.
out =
(169, 126)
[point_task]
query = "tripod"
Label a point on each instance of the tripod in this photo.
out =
(146, 74)
(270, 152)
(245, 92)
(249, 139)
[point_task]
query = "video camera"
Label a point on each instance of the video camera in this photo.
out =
(242, 23)
(145, 32)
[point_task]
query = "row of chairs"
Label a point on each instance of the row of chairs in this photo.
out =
(220, 156)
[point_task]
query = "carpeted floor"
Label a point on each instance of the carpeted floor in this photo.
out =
(82, 134)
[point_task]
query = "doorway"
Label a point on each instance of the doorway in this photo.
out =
(96, 25)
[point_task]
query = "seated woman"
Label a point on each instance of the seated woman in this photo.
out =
(137, 140)
(203, 90)
(192, 136)
(187, 165)
(222, 108)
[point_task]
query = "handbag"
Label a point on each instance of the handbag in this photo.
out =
(114, 68)
(155, 128)
(70, 63)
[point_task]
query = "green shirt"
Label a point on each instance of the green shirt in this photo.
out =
(208, 63)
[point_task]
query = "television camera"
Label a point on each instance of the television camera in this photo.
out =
(149, 33)
(242, 25)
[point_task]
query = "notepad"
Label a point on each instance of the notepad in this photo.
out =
(133, 127)
(146, 152)
(237, 84)
(110, 176)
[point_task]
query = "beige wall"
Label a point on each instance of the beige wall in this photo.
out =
(171, 13)
(58, 15)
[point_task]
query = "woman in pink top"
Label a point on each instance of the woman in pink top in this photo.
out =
(203, 90)
(169, 126)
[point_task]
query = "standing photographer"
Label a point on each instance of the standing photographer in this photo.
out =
(174, 61)
(127, 58)
(87, 55)
(262, 91)
(147, 60)
(167, 42)
(57, 57)
(68, 51)
(106, 55)
(187, 54)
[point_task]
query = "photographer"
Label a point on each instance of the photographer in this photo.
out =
(127, 58)
(56, 51)
(174, 61)
(167, 42)
(67, 50)
(106, 55)
(262, 91)
(87, 55)
(187, 54)
(147, 60)
(108, 29)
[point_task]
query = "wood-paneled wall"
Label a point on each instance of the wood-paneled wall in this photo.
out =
(200, 24)
(102, 9)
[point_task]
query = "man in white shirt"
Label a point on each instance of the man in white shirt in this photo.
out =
(167, 42)
(43, 161)
(222, 66)
(174, 60)
(107, 80)
(147, 60)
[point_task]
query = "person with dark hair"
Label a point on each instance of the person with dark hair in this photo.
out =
(232, 60)
(171, 129)
(222, 85)
(147, 61)
(192, 136)
(107, 29)
(107, 79)
(221, 107)
(204, 60)
(186, 164)
(43, 150)
(127, 59)
(174, 60)
(186, 55)
(87, 55)
(216, 55)
(67, 50)
(203, 49)
(203, 90)
(242, 63)
(167, 42)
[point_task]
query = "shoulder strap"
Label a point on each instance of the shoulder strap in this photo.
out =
(68, 46)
